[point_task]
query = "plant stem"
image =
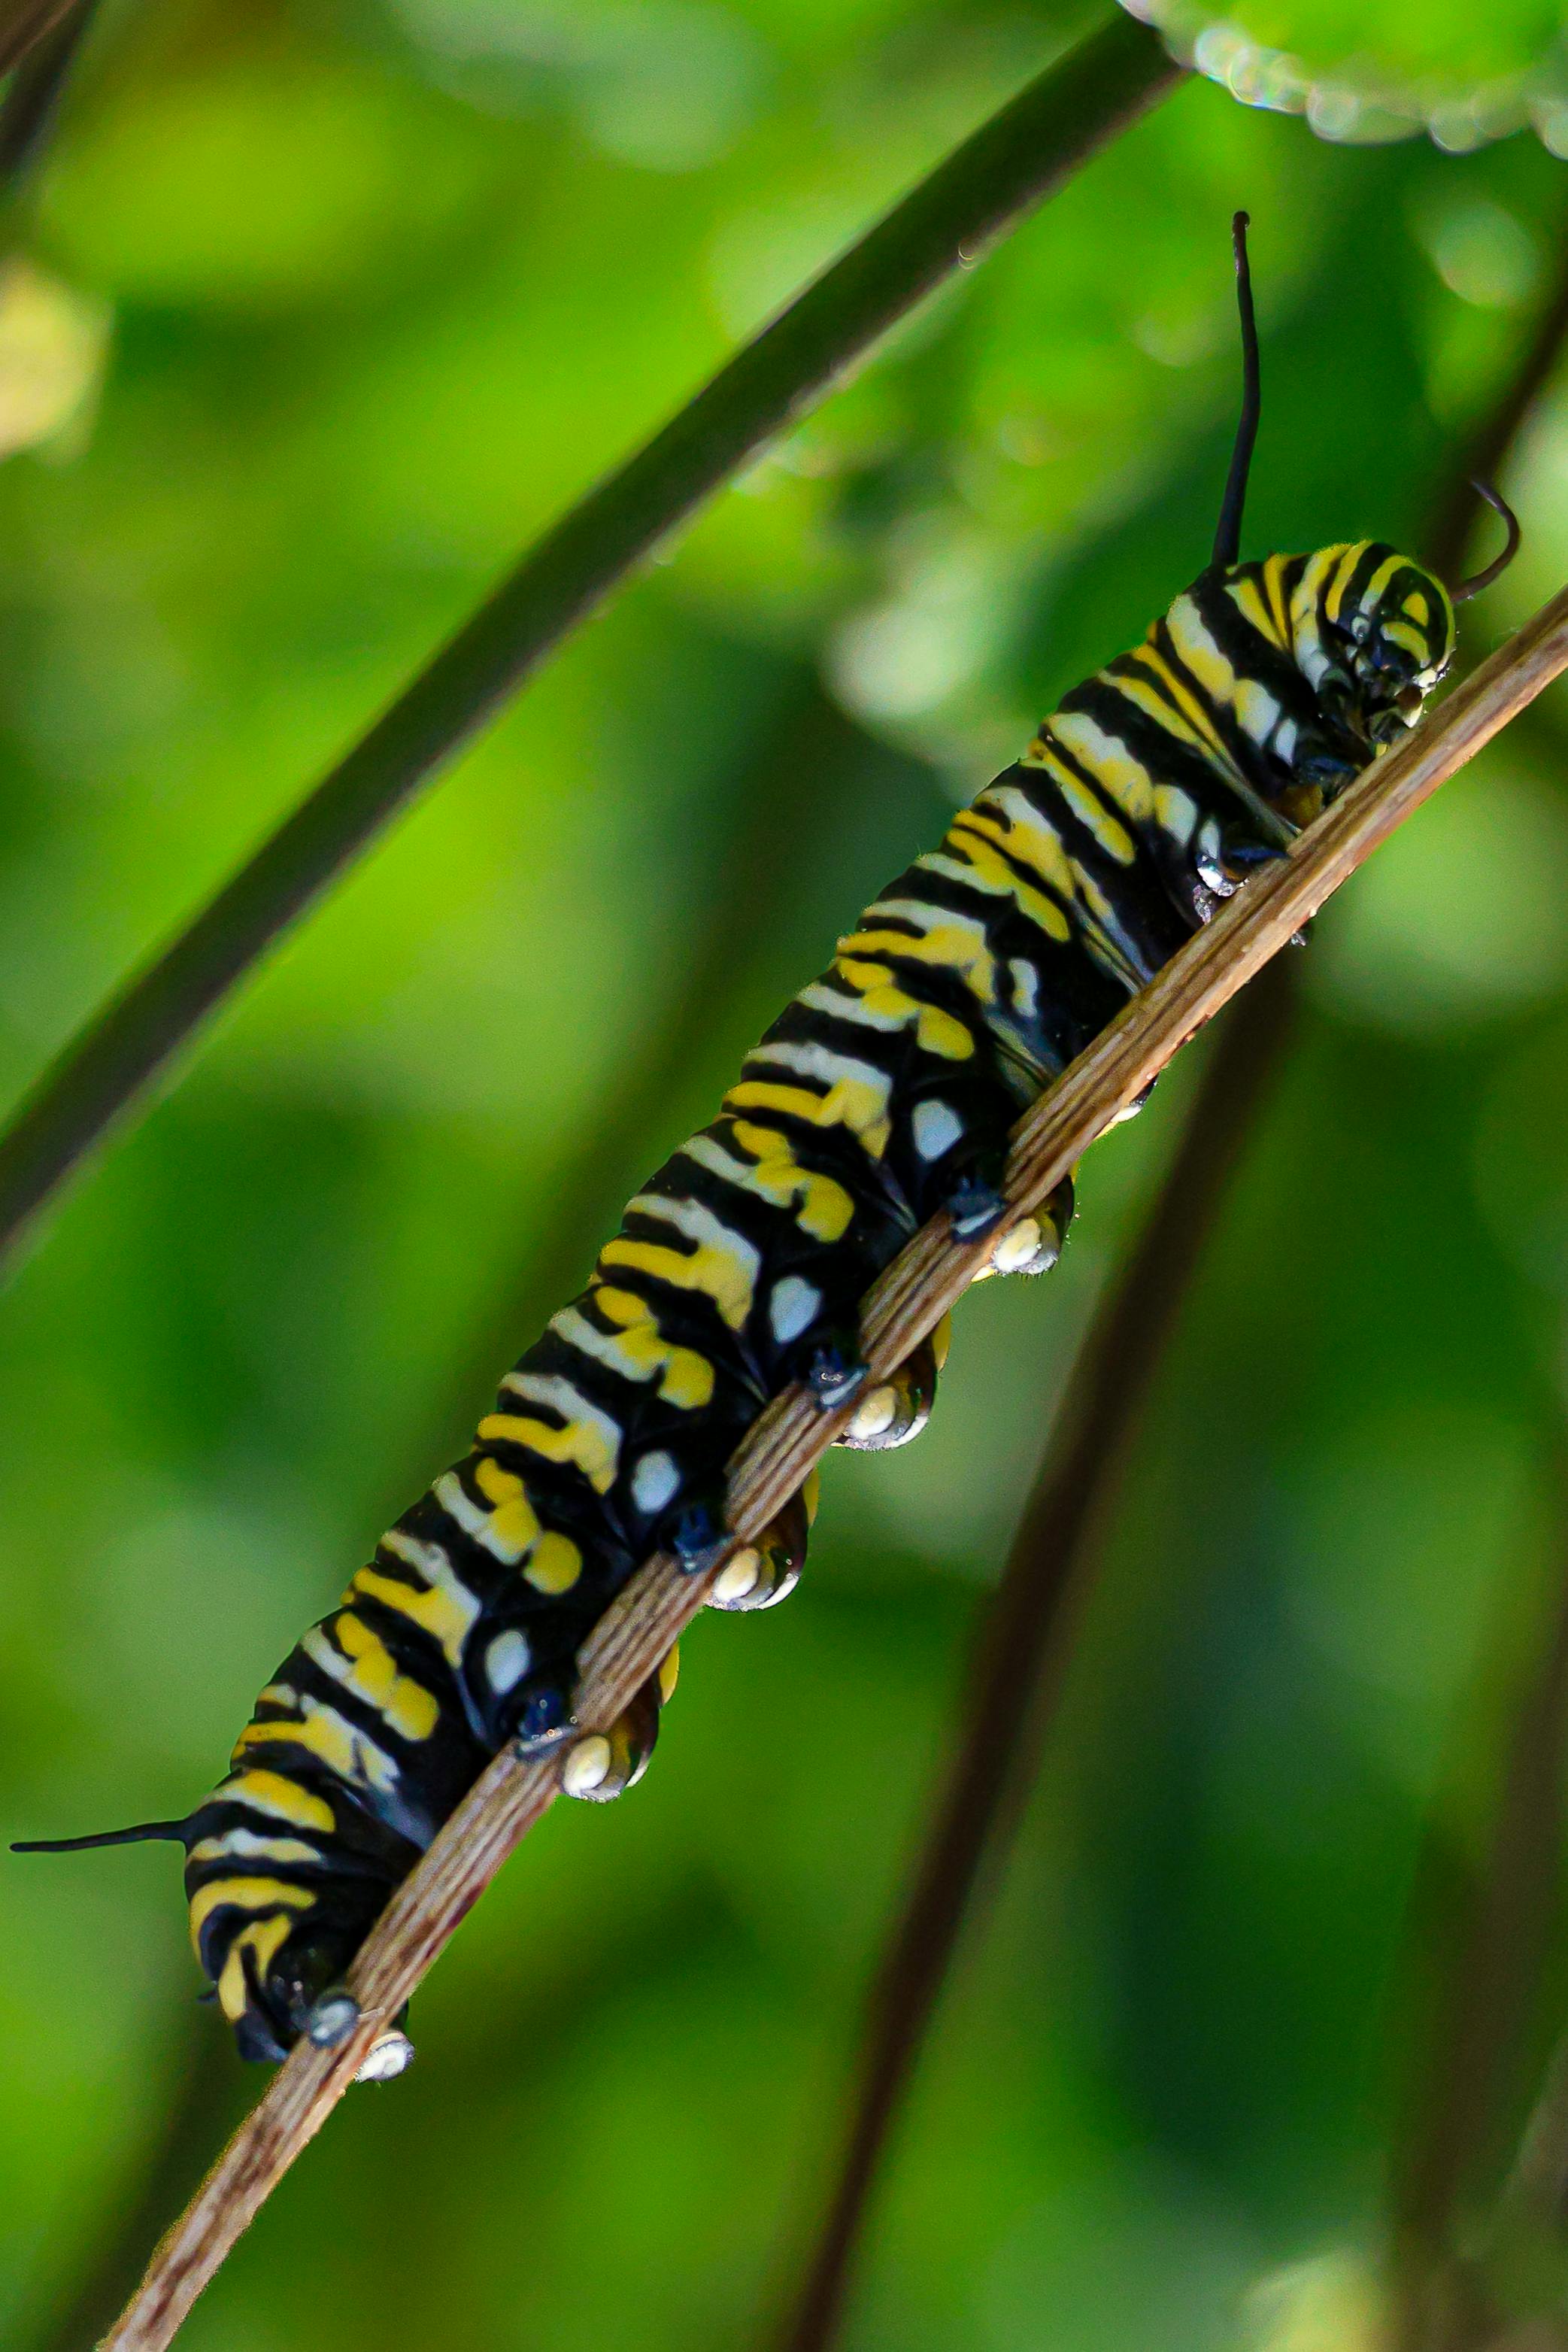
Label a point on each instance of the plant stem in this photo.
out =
(1029, 1623)
(1028, 1626)
(1011, 163)
(906, 1304)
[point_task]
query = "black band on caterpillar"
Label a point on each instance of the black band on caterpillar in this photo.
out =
(883, 1095)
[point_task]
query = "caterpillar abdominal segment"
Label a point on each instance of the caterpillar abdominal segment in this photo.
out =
(883, 1095)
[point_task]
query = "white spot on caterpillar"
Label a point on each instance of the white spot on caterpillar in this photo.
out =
(1175, 812)
(507, 1661)
(1026, 983)
(936, 1127)
(654, 1481)
(791, 1307)
(587, 1766)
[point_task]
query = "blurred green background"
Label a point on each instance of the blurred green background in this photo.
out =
(318, 314)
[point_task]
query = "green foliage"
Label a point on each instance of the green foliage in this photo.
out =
(388, 286)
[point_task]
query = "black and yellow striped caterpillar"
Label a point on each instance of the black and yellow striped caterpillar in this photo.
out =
(883, 1094)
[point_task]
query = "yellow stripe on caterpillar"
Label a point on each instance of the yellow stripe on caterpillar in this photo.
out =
(879, 1003)
(346, 1649)
(245, 1845)
(442, 1606)
(262, 1939)
(590, 1438)
(285, 1800)
(822, 1205)
(340, 1745)
(720, 1264)
(245, 1895)
(638, 1351)
(550, 1562)
(939, 935)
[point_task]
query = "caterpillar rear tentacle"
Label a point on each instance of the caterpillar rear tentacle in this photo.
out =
(882, 1098)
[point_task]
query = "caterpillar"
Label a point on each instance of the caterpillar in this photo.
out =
(882, 1095)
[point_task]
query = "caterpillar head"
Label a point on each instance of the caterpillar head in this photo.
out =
(1374, 632)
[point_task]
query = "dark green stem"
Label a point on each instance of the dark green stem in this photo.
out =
(1012, 163)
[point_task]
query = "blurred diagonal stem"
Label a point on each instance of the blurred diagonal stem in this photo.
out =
(904, 1305)
(1022, 1642)
(32, 95)
(26, 24)
(1011, 163)
(1489, 1937)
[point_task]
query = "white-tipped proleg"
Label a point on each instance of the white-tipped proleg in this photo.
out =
(602, 1764)
(765, 1572)
(1033, 1245)
(389, 2055)
(588, 1764)
(892, 1411)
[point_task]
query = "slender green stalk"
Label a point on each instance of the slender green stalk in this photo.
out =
(1011, 163)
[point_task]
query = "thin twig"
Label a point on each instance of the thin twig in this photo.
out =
(903, 1307)
(1011, 164)
(1029, 1622)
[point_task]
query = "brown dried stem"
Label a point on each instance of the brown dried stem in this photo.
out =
(904, 1305)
